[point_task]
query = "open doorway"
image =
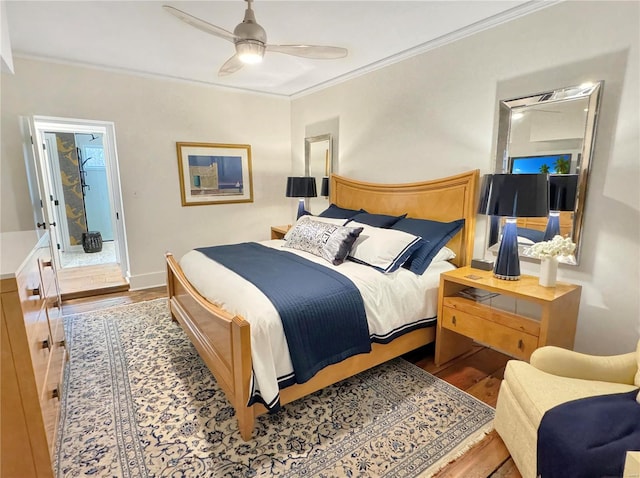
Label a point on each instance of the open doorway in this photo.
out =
(79, 180)
(77, 162)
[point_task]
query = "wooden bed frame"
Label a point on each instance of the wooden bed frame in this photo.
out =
(224, 341)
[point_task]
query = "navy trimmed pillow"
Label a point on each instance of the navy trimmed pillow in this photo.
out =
(329, 241)
(339, 212)
(376, 220)
(383, 249)
(435, 234)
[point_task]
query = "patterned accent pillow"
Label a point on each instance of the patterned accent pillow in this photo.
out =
(329, 241)
(326, 220)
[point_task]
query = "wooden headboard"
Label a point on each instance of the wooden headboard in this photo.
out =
(444, 199)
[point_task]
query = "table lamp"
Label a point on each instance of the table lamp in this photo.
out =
(301, 187)
(513, 196)
(562, 197)
(324, 188)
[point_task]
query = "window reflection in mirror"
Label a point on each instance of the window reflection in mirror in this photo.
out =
(553, 133)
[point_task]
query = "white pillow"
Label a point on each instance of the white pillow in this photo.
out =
(383, 249)
(525, 240)
(327, 220)
(444, 254)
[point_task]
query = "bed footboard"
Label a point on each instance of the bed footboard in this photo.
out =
(222, 340)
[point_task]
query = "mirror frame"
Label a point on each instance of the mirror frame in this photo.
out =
(507, 108)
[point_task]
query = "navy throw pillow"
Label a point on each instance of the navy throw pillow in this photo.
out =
(336, 212)
(435, 234)
(376, 220)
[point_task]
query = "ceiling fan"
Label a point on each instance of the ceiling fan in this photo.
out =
(250, 41)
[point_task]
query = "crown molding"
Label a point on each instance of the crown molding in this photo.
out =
(454, 36)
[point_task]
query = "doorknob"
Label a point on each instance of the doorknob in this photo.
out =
(42, 225)
(52, 223)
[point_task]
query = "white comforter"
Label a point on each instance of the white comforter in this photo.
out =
(391, 302)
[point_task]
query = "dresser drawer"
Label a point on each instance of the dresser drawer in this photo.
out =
(30, 290)
(47, 276)
(40, 344)
(52, 394)
(513, 342)
(54, 314)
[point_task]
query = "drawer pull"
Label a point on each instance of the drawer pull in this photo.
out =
(453, 320)
(35, 291)
(47, 263)
(520, 344)
(62, 343)
(55, 393)
(46, 344)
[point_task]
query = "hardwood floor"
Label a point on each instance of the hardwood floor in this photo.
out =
(479, 373)
(91, 280)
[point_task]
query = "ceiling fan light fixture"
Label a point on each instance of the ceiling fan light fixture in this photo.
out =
(250, 40)
(250, 52)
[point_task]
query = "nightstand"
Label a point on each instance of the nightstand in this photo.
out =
(462, 320)
(278, 232)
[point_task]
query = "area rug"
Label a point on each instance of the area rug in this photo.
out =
(138, 402)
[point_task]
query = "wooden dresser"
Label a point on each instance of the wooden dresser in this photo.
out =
(33, 355)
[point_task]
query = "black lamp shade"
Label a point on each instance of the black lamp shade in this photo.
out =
(301, 187)
(515, 195)
(324, 188)
(563, 190)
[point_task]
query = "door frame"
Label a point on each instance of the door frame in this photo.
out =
(45, 124)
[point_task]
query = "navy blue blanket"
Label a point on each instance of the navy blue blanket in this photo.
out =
(589, 437)
(322, 311)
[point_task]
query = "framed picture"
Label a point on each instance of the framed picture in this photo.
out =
(214, 173)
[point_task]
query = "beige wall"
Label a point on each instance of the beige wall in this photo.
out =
(435, 115)
(150, 116)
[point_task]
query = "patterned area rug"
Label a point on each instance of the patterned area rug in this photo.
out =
(139, 402)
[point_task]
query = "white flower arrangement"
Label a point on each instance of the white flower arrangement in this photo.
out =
(558, 246)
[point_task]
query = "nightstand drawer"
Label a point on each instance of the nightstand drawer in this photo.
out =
(506, 339)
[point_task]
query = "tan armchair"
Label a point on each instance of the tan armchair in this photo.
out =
(554, 376)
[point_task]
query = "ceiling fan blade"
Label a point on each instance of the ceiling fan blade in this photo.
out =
(311, 51)
(232, 65)
(200, 24)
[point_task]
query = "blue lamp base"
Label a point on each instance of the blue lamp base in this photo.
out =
(507, 266)
(301, 210)
(553, 226)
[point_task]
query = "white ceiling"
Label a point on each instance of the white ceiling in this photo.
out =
(139, 36)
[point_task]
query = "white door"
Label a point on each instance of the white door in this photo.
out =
(37, 193)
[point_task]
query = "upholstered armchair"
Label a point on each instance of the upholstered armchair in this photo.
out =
(554, 376)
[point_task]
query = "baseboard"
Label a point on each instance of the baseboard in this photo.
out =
(147, 281)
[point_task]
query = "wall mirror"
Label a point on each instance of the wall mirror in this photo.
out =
(317, 163)
(551, 132)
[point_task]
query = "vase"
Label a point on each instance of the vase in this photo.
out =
(548, 271)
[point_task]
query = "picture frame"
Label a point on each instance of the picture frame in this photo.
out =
(212, 173)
